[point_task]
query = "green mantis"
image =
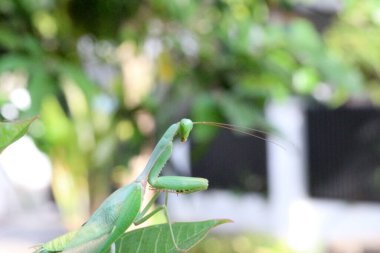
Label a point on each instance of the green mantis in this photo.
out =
(123, 207)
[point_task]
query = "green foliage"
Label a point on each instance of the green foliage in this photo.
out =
(12, 131)
(233, 53)
(157, 238)
(354, 38)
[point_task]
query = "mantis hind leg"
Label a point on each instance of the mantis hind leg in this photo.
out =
(142, 217)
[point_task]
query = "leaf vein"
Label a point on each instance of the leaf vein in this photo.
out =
(141, 238)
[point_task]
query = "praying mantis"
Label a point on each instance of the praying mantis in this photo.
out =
(122, 208)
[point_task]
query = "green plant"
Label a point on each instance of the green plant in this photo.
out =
(12, 131)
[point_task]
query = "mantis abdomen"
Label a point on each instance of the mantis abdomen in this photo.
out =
(113, 217)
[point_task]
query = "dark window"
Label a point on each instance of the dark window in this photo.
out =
(232, 161)
(344, 153)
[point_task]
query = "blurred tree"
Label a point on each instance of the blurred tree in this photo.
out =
(354, 38)
(38, 47)
(103, 74)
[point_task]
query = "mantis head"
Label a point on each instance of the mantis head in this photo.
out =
(185, 126)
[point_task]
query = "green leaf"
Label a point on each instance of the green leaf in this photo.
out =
(305, 80)
(156, 239)
(14, 61)
(12, 131)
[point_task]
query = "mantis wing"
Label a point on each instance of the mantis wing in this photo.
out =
(104, 227)
(58, 244)
(108, 222)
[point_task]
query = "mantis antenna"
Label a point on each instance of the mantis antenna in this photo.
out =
(239, 129)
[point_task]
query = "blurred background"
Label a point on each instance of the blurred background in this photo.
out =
(108, 77)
